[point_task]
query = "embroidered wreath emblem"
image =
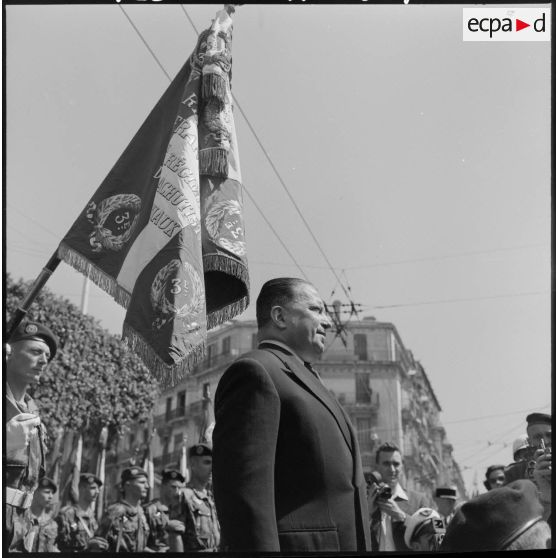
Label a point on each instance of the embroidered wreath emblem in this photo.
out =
(114, 221)
(177, 291)
(224, 225)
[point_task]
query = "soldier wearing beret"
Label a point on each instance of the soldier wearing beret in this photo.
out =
(77, 523)
(31, 347)
(446, 501)
(506, 518)
(202, 527)
(41, 537)
(163, 515)
(124, 525)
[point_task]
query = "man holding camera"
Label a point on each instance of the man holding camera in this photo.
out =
(390, 505)
(537, 463)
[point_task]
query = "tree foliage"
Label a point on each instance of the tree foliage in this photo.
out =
(94, 380)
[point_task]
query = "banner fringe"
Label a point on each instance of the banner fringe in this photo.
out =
(214, 87)
(226, 313)
(98, 276)
(228, 265)
(214, 161)
(168, 375)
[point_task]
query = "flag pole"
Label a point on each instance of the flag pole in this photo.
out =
(32, 294)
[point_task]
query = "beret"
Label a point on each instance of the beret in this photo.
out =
(90, 478)
(27, 330)
(538, 418)
(45, 482)
(132, 473)
(446, 492)
(418, 518)
(493, 468)
(172, 474)
(494, 519)
(199, 450)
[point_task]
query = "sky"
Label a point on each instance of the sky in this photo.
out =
(419, 162)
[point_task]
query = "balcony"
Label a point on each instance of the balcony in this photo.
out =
(169, 417)
(357, 408)
(171, 458)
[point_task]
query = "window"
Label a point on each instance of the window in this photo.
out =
(226, 345)
(360, 346)
(364, 429)
(211, 353)
(181, 403)
(363, 393)
(168, 409)
(165, 445)
(177, 441)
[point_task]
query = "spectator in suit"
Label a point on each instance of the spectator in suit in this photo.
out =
(390, 515)
(287, 473)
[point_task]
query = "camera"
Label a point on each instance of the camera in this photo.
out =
(383, 490)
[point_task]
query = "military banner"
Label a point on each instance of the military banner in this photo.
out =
(164, 232)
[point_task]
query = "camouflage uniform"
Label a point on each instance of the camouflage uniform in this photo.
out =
(157, 515)
(22, 474)
(41, 536)
(124, 527)
(75, 528)
(202, 527)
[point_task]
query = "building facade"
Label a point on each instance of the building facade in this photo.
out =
(384, 390)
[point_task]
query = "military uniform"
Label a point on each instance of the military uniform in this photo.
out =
(43, 530)
(42, 535)
(26, 466)
(157, 515)
(76, 526)
(202, 526)
(123, 526)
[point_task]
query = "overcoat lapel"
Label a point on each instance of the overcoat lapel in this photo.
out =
(312, 384)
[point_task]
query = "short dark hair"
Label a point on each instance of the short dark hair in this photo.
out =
(388, 447)
(275, 292)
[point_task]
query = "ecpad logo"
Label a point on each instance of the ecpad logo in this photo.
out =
(506, 24)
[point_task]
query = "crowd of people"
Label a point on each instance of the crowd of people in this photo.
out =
(283, 472)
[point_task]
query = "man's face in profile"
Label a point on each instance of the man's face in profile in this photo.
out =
(307, 321)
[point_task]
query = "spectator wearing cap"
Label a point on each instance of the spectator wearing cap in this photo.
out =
(537, 464)
(389, 515)
(424, 530)
(124, 525)
(202, 527)
(164, 514)
(31, 348)
(494, 477)
(539, 432)
(446, 501)
(506, 518)
(42, 535)
(77, 523)
(520, 449)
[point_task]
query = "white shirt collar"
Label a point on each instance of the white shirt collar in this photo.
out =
(399, 493)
